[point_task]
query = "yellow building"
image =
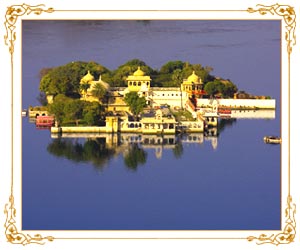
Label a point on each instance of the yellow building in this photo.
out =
(89, 81)
(193, 84)
(139, 82)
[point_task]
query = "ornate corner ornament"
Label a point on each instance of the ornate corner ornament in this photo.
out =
(289, 17)
(289, 232)
(12, 234)
(11, 17)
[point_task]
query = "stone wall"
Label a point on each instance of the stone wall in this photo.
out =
(239, 103)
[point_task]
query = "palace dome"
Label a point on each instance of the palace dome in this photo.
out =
(193, 78)
(87, 78)
(139, 72)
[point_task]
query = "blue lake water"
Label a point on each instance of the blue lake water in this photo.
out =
(228, 182)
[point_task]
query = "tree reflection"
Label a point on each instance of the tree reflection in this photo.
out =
(134, 157)
(178, 150)
(225, 123)
(92, 150)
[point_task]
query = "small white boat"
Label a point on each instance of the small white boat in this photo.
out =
(272, 139)
(24, 112)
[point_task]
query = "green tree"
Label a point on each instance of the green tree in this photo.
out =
(177, 78)
(92, 113)
(123, 71)
(65, 79)
(98, 91)
(135, 103)
(73, 110)
(171, 66)
(57, 109)
(229, 89)
(84, 87)
(223, 87)
(211, 88)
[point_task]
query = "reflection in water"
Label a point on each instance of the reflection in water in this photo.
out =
(178, 150)
(135, 156)
(225, 123)
(98, 149)
(91, 150)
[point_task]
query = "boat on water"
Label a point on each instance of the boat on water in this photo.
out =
(272, 139)
(44, 121)
(224, 112)
(24, 112)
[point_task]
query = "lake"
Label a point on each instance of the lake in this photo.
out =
(194, 182)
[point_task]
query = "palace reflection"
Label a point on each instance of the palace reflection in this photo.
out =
(98, 149)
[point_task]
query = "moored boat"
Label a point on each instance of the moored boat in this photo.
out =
(24, 112)
(44, 121)
(224, 112)
(272, 139)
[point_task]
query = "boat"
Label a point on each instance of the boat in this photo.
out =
(24, 112)
(272, 139)
(224, 112)
(44, 121)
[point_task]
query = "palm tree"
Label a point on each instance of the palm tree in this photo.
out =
(83, 88)
(98, 91)
(177, 77)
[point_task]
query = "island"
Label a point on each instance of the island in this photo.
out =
(86, 97)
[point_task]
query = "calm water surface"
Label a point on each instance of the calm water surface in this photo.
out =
(227, 182)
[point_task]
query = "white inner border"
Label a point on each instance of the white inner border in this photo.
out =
(136, 5)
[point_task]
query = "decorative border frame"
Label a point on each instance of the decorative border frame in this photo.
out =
(288, 233)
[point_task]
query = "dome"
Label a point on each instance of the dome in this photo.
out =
(87, 78)
(104, 84)
(139, 72)
(193, 78)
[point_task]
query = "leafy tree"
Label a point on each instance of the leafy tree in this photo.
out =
(171, 66)
(66, 79)
(98, 91)
(67, 109)
(57, 108)
(123, 71)
(211, 88)
(229, 89)
(73, 110)
(177, 78)
(84, 87)
(222, 87)
(135, 103)
(92, 113)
